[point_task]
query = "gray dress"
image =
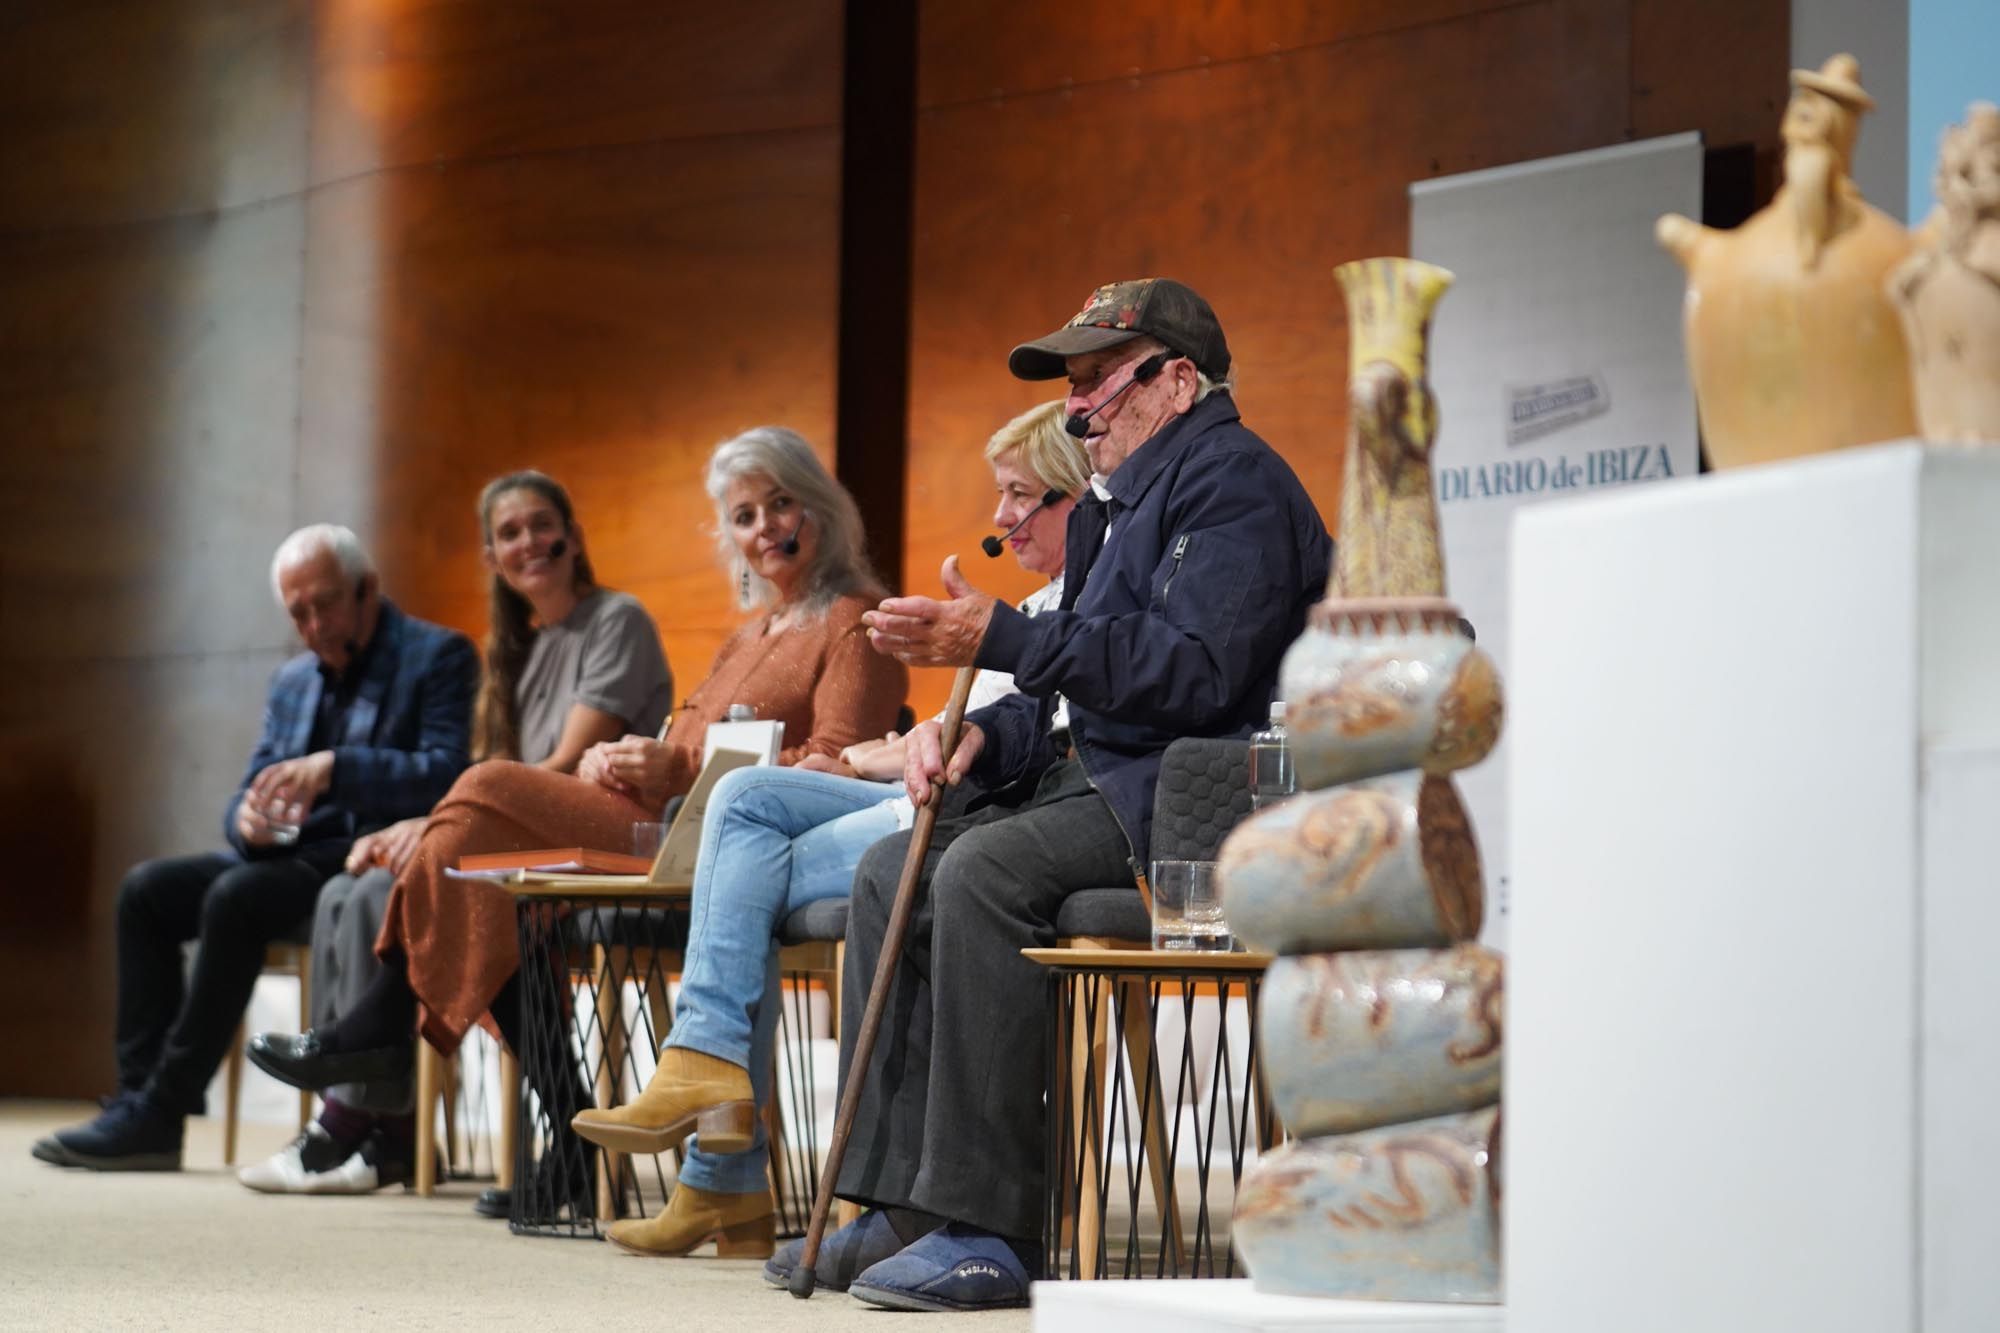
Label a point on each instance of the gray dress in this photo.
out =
(605, 654)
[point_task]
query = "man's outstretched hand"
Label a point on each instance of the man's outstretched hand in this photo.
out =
(922, 631)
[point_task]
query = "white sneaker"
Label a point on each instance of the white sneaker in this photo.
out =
(314, 1164)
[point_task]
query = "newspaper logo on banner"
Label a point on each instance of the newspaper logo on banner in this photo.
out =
(1535, 410)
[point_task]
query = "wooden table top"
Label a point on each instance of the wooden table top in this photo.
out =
(1149, 960)
(540, 884)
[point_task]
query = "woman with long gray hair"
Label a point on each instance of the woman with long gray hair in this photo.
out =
(775, 840)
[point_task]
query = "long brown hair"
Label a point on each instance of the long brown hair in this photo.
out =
(510, 634)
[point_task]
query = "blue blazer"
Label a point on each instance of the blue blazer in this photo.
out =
(407, 739)
(1174, 627)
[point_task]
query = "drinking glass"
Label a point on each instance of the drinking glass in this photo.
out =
(647, 835)
(1187, 913)
(282, 817)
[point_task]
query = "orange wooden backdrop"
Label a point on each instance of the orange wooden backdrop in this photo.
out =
(264, 262)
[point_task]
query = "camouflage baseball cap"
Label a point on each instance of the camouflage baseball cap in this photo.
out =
(1117, 313)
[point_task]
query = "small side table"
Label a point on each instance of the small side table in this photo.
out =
(583, 940)
(1152, 1109)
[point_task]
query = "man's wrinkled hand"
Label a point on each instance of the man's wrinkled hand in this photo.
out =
(922, 631)
(924, 768)
(294, 783)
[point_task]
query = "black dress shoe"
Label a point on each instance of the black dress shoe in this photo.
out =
(494, 1201)
(300, 1062)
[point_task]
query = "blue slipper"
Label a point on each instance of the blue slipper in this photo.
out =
(956, 1267)
(862, 1243)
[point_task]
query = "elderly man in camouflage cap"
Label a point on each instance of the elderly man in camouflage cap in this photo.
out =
(1192, 562)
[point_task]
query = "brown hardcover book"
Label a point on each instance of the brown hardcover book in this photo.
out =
(568, 860)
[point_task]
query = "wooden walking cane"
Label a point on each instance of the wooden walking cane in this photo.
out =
(878, 990)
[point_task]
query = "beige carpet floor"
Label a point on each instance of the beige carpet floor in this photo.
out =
(195, 1249)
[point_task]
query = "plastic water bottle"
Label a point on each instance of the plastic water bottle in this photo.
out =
(1271, 777)
(741, 713)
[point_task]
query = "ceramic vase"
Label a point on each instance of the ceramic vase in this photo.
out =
(1407, 1213)
(1354, 1041)
(1388, 510)
(1389, 863)
(1374, 687)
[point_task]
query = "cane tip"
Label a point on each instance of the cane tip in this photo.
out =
(802, 1282)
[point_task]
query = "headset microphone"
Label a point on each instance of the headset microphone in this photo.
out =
(1079, 426)
(992, 545)
(559, 548)
(790, 545)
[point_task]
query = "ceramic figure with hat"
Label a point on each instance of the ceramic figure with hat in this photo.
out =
(1792, 345)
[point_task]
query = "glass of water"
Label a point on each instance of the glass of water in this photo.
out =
(283, 818)
(1187, 913)
(647, 835)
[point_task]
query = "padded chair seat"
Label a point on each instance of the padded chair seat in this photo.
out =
(628, 925)
(1115, 914)
(815, 922)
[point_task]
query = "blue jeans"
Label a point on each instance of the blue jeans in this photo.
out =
(775, 839)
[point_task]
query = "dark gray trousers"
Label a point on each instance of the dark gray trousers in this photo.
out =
(951, 1119)
(345, 924)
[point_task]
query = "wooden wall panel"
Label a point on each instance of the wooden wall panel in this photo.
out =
(971, 51)
(425, 82)
(1248, 150)
(607, 318)
(151, 228)
(104, 762)
(156, 366)
(1721, 69)
(592, 240)
(119, 110)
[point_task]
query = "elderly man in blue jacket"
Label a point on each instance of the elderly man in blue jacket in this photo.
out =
(368, 726)
(1190, 570)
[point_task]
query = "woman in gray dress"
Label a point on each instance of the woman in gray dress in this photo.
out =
(568, 664)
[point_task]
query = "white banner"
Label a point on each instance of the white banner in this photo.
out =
(1556, 359)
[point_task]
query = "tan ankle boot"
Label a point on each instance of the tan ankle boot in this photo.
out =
(743, 1226)
(690, 1093)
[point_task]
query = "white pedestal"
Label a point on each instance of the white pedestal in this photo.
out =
(1232, 1304)
(1752, 1061)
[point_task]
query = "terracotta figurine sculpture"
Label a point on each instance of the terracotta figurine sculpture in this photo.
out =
(1949, 291)
(1792, 344)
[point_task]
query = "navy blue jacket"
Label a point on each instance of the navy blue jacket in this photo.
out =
(1175, 627)
(408, 734)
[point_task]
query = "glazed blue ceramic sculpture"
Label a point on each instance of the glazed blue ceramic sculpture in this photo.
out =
(1380, 1024)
